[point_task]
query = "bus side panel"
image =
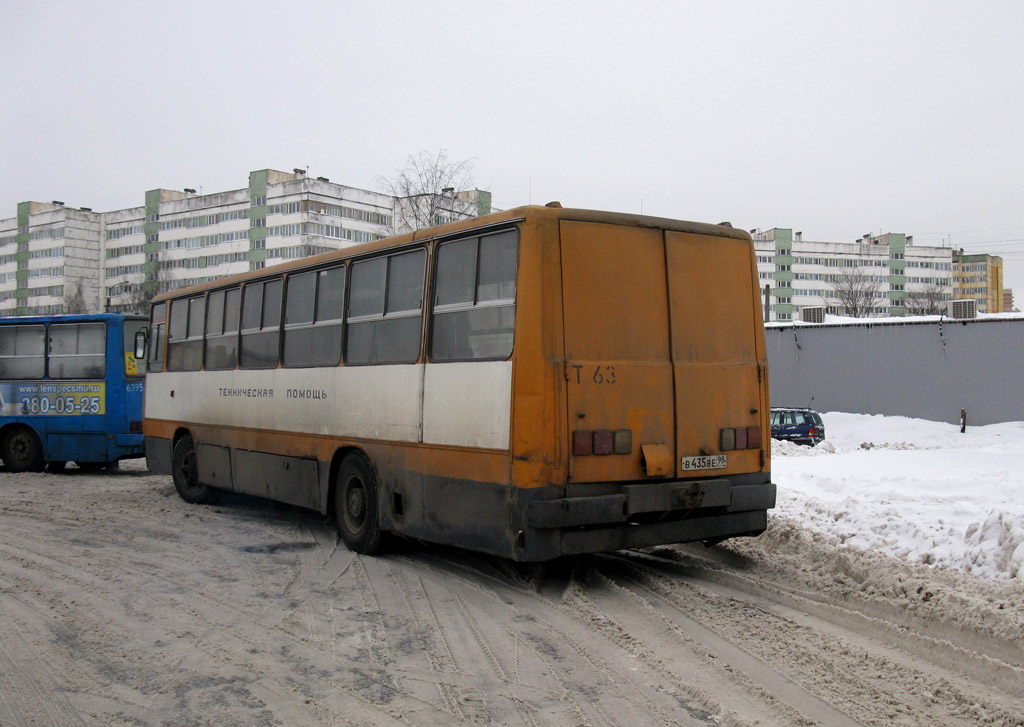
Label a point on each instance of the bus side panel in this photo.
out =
(158, 455)
(448, 495)
(82, 447)
(538, 454)
(286, 479)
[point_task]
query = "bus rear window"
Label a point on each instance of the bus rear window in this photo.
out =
(78, 350)
(22, 352)
(475, 298)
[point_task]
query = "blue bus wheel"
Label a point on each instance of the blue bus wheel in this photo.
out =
(356, 505)
(22, 451)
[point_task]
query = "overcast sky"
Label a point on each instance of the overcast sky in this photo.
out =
(833, 118)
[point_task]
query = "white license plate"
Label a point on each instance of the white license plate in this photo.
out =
(704, 462)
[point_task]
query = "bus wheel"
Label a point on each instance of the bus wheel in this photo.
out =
(355, 505)
(22, 451)
(185, 473)
(56, 467)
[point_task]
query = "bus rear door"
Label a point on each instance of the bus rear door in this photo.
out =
(618, 367)
(662, 371)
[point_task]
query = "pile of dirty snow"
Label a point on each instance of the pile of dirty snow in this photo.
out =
(912, 488)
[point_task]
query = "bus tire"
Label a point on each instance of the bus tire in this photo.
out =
(56, 467)
(22, 451)
(185, 474)
(356, 505)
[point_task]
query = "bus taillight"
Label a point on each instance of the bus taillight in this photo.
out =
(740, 438)
(601, 441)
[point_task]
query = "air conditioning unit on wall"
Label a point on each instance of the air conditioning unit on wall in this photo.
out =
(813, 314)
(962, 309)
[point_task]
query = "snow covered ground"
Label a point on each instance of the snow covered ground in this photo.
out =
(915, 489)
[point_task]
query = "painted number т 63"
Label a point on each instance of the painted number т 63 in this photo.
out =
(597, 375)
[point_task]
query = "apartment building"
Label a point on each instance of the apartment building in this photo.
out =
(49, 254)
(877, 275)
(54, 259)
(979, 278)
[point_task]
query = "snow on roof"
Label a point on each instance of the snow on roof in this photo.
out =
(834, 320)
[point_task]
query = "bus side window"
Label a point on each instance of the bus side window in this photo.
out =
(475, 298)
(185, 340)
(157, 337)
(22, 352)
(222, 329)
(77, 350)
(261, 324)
(386, 309)
(313, 318)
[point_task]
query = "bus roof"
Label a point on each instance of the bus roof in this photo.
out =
(551, 211)
(71, 317)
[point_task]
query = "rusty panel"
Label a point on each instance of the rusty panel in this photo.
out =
(538, 407)
(616, 305)
(711, 292)
(711, 397)
(617, 370)
(715, 346)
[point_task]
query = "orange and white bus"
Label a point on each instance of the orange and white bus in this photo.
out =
(534, 383)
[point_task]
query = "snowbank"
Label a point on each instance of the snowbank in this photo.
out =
(915, 489)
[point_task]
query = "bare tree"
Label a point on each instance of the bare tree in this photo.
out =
(431, 190)
(74, 298)
(137, 298)
(928, 301)
(137, 293)
(858, 293)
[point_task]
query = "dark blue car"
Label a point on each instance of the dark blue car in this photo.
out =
(803, 426)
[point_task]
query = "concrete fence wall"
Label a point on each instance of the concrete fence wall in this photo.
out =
(927, 369)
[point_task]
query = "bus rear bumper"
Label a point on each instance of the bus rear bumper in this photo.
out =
(637, 516)
(638, 499)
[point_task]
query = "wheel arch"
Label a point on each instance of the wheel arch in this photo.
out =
(6, 429)
(179, 433)
(339, 456)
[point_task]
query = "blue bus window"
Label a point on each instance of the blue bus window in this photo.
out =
(22, 352)
(77, 351)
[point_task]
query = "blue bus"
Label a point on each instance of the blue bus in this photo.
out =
(71, 389)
